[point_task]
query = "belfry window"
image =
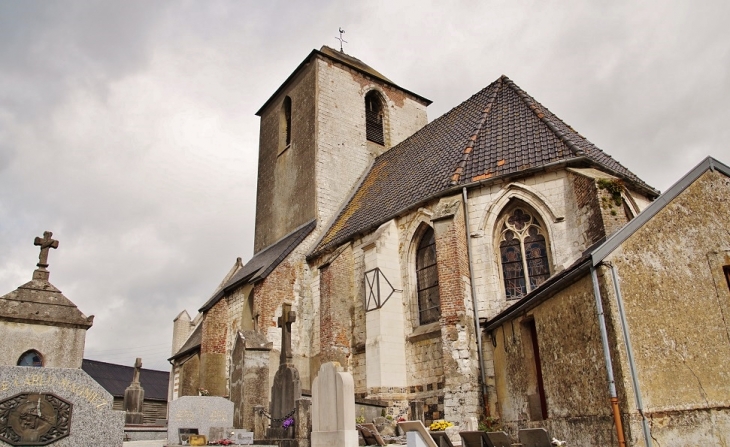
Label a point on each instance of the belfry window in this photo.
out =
(523, 253)
(427, 280)
(374, 117)
(31, 358)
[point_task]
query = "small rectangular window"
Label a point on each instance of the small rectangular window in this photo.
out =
(726, 269)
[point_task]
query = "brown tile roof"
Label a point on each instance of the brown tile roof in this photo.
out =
(500, 131)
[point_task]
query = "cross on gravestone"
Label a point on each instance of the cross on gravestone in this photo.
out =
(287, 317)
(137, 367)
(45, 243)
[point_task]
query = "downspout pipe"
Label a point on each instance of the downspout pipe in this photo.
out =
(475, 303)
(607, 358)
(630, 354)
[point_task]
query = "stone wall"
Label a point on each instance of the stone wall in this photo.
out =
(572, 366)
(60, 347)
(285, 197)
(213, 352)
(343, 152)
(677, 302)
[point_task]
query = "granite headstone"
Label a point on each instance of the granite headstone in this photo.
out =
(64, 405)
(201, 412)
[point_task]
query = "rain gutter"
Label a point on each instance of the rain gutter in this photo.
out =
(607, 358)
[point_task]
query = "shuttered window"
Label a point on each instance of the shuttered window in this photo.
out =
(374, 118)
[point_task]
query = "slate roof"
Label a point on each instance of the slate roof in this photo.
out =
(344, 59)
(499, 132)
(191, 344)
(116, 378)
(263, 262)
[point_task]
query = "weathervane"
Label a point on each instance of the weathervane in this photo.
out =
(341, 39)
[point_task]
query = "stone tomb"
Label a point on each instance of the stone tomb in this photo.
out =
(61, 407)
(249, 376)
(333, 408)
(201, 412)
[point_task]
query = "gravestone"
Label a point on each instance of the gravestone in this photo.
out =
(134, 398)
(200, 412)
(287, 389)
(62, 407)
(249, 376)
(333, 408)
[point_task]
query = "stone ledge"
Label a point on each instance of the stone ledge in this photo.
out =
(431, 330)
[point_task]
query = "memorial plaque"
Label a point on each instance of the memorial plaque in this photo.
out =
(59, 407)
(34, 419)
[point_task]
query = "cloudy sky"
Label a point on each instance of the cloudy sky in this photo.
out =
(127, 128)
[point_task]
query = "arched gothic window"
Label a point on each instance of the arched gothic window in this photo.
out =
(523, 252)
(427, 279)
(31, 358)
(374, 117)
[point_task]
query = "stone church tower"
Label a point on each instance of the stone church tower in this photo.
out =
(320, 131)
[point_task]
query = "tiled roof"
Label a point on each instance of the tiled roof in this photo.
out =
(116, 378)
(500, 131)
(263, 262)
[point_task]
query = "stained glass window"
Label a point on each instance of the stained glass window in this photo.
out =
(523, 253)
(427, 280)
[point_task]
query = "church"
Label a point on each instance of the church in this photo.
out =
(420, 257)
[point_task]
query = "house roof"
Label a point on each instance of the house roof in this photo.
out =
(499, 132)
(344, 59)
(596, 254)
(263, 262)
(116, 378)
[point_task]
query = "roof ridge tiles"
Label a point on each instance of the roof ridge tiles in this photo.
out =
(534, 106)
(461, 166)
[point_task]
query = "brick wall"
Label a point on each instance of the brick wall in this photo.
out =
(336, 309)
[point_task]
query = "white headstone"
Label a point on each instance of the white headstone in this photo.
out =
(333, 408)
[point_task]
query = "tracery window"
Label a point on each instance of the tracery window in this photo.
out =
(31, 358)
(374, 118)
(523, 252)
(427, 280)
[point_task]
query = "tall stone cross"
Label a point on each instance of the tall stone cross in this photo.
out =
(287, 317)
(45, 243)
(137, 367)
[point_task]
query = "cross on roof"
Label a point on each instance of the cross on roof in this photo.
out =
(341, 39)
(45, 243)
(287, 317)
(137, 367)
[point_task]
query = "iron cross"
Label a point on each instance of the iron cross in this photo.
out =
(341, 39)
(45, 243)
(287, 317)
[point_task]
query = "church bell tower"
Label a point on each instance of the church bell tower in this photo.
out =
(319, 133)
